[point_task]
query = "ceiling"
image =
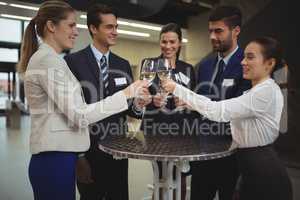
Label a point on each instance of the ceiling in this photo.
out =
(153, 11)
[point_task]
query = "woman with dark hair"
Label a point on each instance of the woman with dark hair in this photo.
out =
(254, 118)
(169, 116)
(59, 115)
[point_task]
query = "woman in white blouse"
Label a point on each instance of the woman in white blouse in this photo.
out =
(254, 118)
(59, 114)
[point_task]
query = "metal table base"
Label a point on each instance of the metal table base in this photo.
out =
(175, 153)
(169, 183)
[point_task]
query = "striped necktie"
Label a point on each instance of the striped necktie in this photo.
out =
(104, 72)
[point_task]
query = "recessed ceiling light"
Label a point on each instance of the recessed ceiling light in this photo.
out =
(120, 31)
(133, 24)
(23, 6)
(184, 40)
(3, 3)
(138, 25)
(133, 33)
(16, 17)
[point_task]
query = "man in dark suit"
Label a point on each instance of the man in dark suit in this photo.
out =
(219, 77)
(102, 73)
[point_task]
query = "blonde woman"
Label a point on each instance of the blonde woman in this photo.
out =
(59, 115)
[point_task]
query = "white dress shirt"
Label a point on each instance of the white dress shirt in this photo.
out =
(98, 55)
(254, 116)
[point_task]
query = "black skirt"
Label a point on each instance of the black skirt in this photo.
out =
(263, 175)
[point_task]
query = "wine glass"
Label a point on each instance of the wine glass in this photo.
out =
(148, 73)
(163, 72)
(148, 70)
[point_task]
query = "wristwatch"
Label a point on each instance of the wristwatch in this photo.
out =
(80, 155)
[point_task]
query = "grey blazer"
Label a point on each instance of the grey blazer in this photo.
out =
(59, 114)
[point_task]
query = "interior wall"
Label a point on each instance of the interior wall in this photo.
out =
(135, 51)
(199, 45)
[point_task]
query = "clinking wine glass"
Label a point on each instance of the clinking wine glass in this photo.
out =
(148, 73)
(163, 72)
(148, 70)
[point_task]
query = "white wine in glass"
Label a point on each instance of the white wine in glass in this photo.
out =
(164, 74)
(148, 70)
(148, 76)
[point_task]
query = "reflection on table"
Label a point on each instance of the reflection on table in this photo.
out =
(175, 152)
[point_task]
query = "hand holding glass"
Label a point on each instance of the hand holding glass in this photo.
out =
(164, 73)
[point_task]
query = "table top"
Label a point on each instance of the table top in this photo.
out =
(172, 148)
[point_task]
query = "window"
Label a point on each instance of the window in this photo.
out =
(4, 89)
(11, 32)
(25, 25)
(10, 38)
(9, 55)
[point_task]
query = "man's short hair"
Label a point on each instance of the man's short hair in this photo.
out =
(93, 15)
(232, 16)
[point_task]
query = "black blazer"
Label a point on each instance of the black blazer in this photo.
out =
(172, 122)
(234, 73)
(84, 66)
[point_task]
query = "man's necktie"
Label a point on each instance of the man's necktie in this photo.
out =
(220, 69)
(104, 72)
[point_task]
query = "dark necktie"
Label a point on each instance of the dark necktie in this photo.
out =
(220, 69)
(104, 72)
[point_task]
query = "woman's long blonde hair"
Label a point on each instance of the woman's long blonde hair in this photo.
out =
(54, 11)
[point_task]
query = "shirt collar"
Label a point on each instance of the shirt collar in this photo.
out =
(227, 58)
(98, 55)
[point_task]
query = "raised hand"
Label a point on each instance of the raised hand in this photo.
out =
(180, 105)
(143, 98)
(169, 85)
(136, 88)
(159, 100)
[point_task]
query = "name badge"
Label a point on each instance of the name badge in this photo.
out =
(184, 78)
(120, 81)
(228, 82)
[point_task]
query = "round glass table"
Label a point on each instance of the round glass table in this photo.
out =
(174, 151)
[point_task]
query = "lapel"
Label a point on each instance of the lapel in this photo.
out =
(92, 63)
(210, 70)
(234, 62)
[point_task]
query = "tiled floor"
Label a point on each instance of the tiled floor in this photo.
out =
(14, 158)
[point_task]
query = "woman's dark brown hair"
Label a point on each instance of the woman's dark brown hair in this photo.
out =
(172, 27)
(271, 49)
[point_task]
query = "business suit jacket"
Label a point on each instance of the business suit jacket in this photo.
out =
(110, 176)
(233, 84)
(84, 66)
(59, 114)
